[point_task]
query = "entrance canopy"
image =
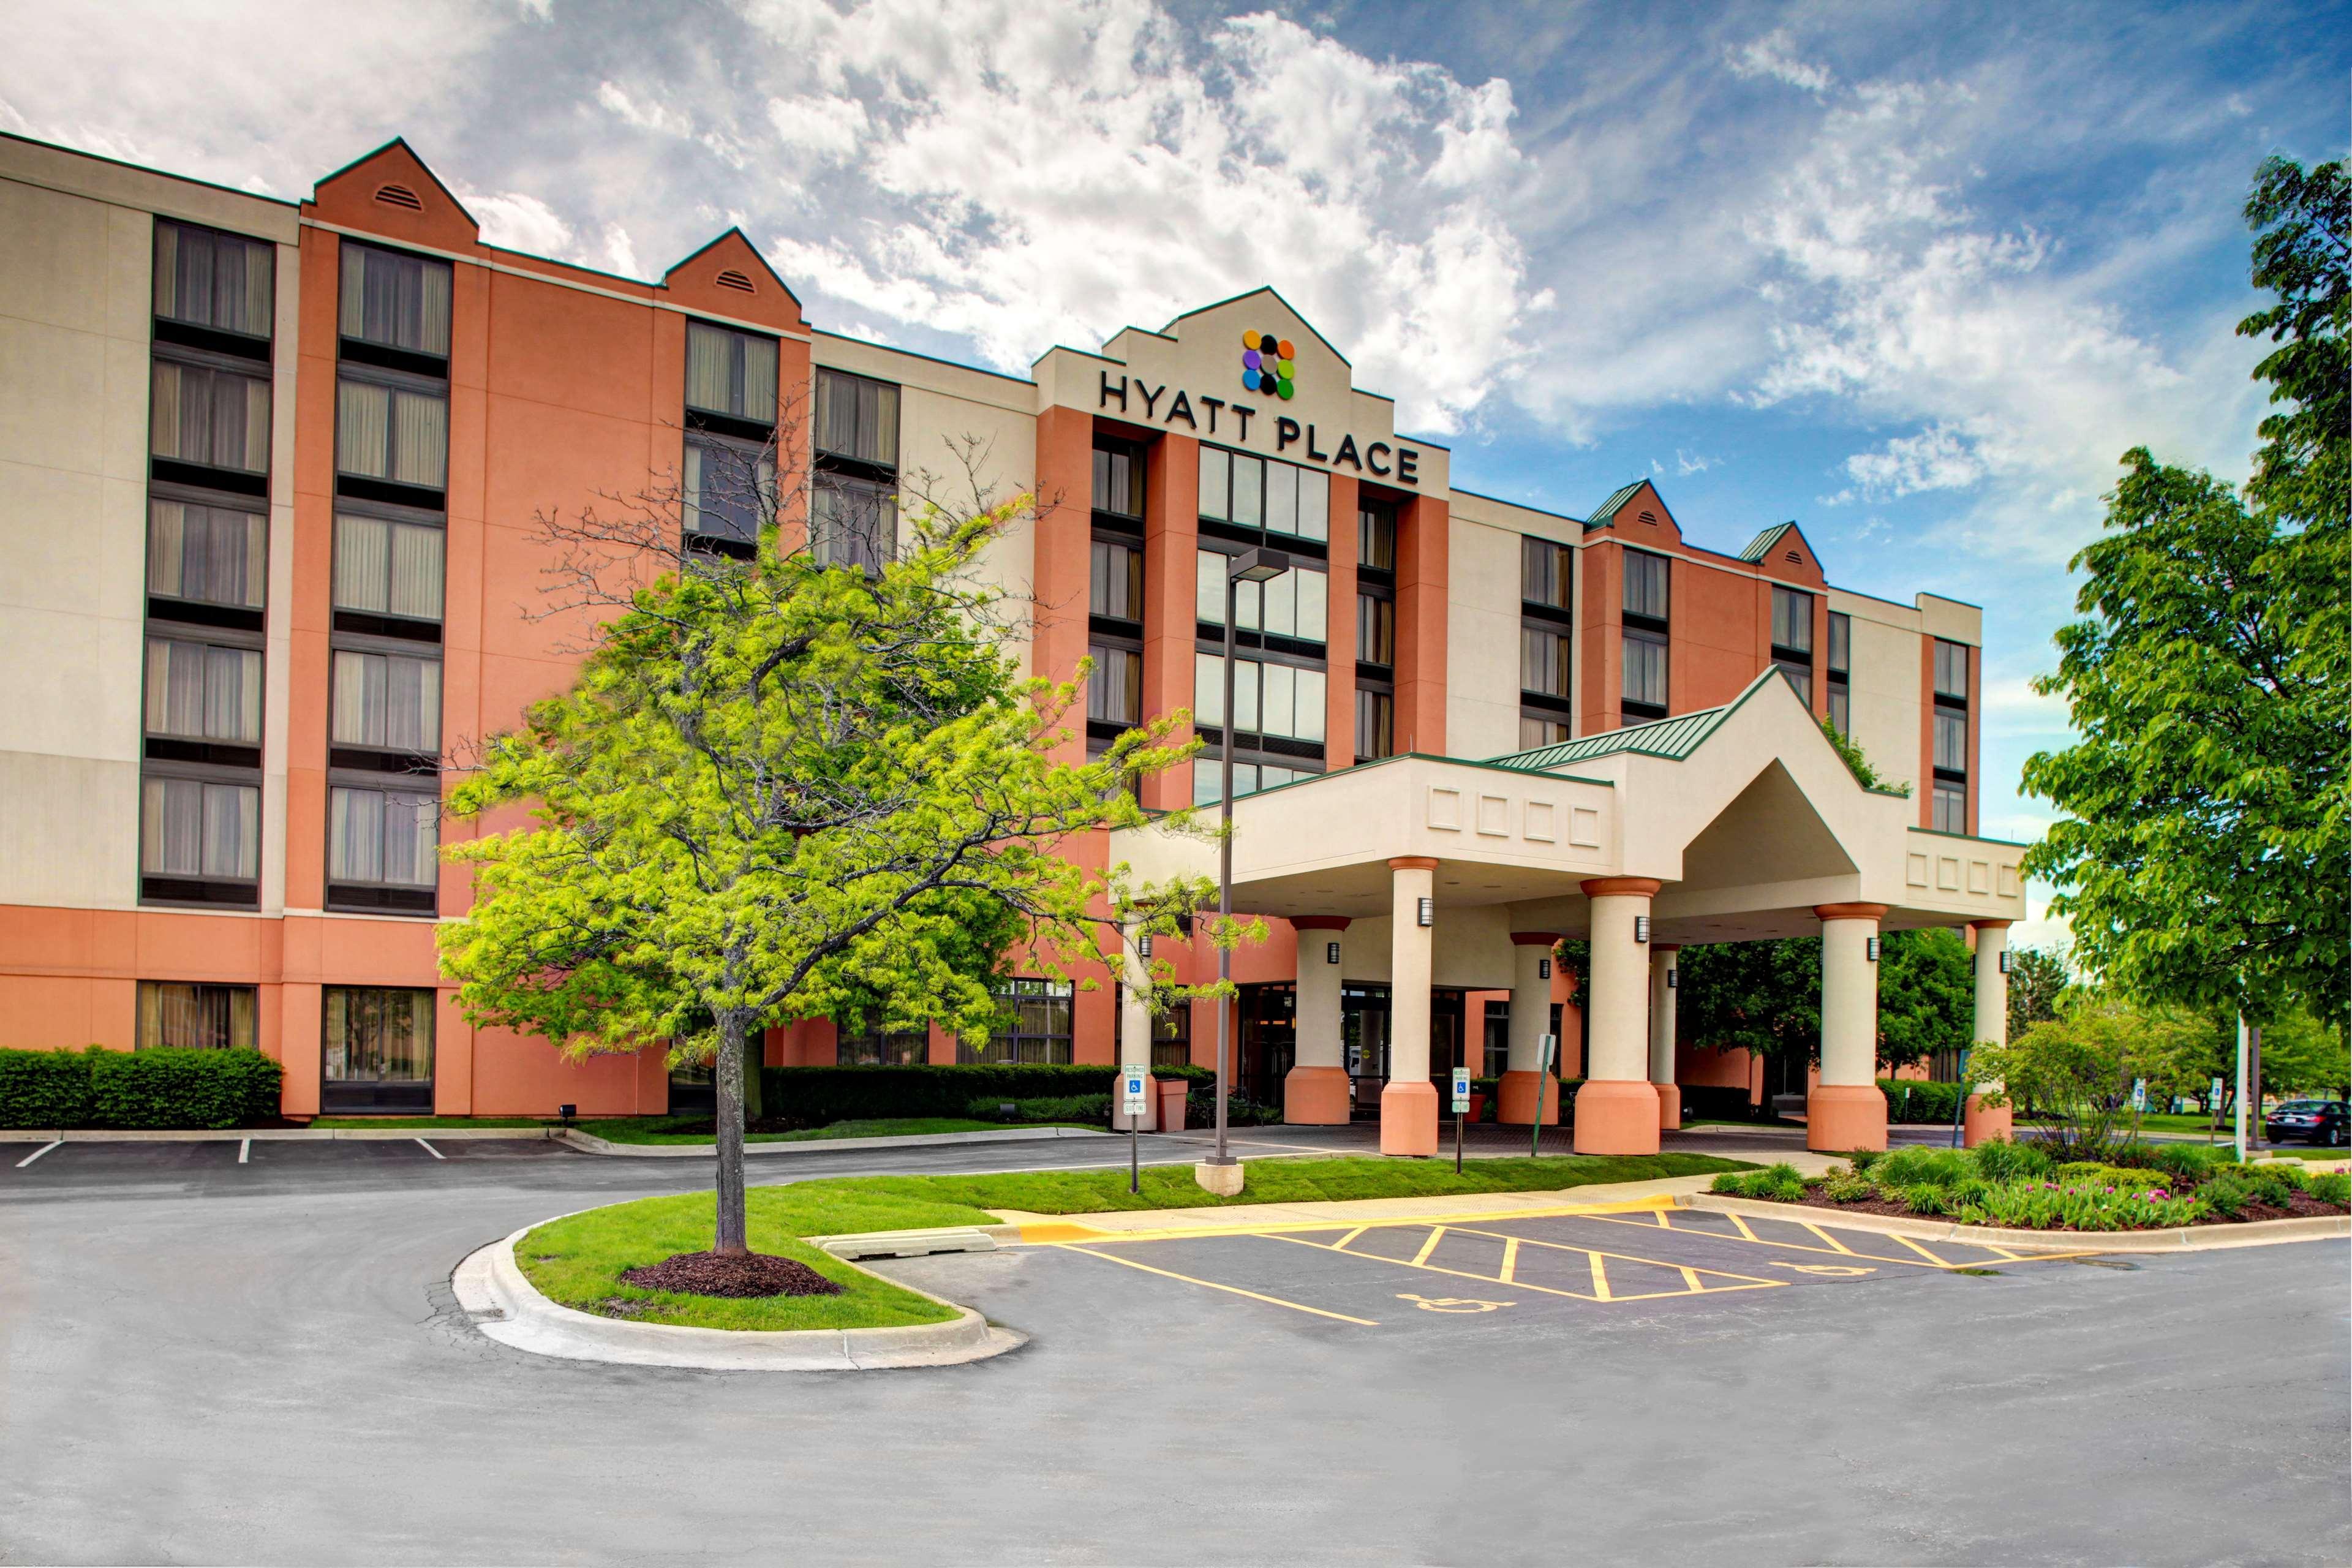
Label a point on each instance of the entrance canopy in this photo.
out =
(1744, 813)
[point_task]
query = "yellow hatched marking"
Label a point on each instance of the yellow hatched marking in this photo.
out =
(1666, 1221)
(1834, 1243)
(1690, 1279)
(1211, 1284)
(1511, 1260)
(1342, 1244)
(1914, 1247)
(1747, 1282)
(1600, 1278)
(1436, 1235)
(1833, 1249)
(1620, 1256)
(1742, 1225)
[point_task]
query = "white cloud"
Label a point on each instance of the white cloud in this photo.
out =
(1690, 463)
(517, 221)
(821, 125)
(1937, 458)
(1774, 55)
(620, 255)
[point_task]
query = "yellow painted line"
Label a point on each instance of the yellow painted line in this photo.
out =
(1511, 1260)
(1436, 1235)
(1747, 1282)
(1351, 1235)
(1600, 1278)
(1742, 1225)
(1914, 1247)
(1052, 1232)
(1834, 1244)
(1622, 1256)
(1213, 1284)
(1665, 1220)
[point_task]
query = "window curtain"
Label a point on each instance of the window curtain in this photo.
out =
(420, 440)
(399, 302)
(206, 553)
(190, 828)
(386, 701)
(731, 373)
(1646, 671)
(214, 418)
(382, 835)
(196, 1017)
(202, 692)
(416, 571)
(363, 430)
(388, 568)
(858, 418)
(375, 1034)
(212, 279)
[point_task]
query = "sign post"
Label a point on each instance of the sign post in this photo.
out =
(1960, 1104)
(1134, 1085)
(1545, 1045)
(1461, 1104)
(2213, 1097)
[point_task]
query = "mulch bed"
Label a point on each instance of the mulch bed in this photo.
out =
(709, 1274)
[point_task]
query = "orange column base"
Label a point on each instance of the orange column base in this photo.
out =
(1517, 1101)
(1839, 1117)
(1617, 1116)
(1982, 1124)
(1670, 1107)
(1315, 1096)
(1409, 1119)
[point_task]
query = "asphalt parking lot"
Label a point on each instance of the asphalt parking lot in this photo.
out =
(204, 1362)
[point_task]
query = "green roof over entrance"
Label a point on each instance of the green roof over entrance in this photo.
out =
(1675, 738)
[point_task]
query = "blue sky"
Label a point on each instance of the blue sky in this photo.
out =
(1913, 274)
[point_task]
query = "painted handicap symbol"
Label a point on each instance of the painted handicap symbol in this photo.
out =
(1452, 1303)
(1833, 1270)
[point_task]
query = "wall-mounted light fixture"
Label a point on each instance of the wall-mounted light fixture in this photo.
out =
(2004, 961)
(1870, 949)
(1143, 947)
(1640, 928)
(1543, 969)
(1429, 911)
(1674, 979)
(1331, 953)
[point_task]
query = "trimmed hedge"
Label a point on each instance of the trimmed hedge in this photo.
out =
(151, 1088)
(1919, 1101)
(820, 1096)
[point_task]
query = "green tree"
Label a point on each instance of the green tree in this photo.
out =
(2203, 856)
(780, 784)
(2076, 1072)
(1765, 997)
(2037, 980)
(1926, 995)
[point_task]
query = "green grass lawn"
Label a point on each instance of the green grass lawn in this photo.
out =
(2298, 1152)
(423, 1121)
(666, 1129)
(578, 1261)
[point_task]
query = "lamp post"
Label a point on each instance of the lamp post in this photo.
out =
(1250, 567)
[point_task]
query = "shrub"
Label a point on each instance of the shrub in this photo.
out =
(1846, 1186)
(1200, 1109)
(2001, 1160)
(2330, 1187)
(1094, 1107)
(151, 1089)
(1863, 1159)
(1927, 1197)
(44, 1089)
(2226, 1194)
(1968, 1194)
(2182, 1162)
(1919, 1102)
(2044, 1206)
(2078, 1170)
(1904, 1168)
(1777, 1183)
(820, 1096)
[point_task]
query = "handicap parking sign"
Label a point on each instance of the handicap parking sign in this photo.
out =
(1461, 1090)
(1133, 1091)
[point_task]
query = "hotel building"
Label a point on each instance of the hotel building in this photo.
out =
(269, 474)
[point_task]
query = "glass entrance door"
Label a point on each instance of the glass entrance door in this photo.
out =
(1364, 1037)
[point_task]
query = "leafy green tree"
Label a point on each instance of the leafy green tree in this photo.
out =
(1765, 997)
(1926, 995)
(2075, 1073)
(780, 784)
(2037, 980)
(2203, 857)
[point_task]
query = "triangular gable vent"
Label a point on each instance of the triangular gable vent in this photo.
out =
(1651, 517)
(399, 197)
(731, 279)
(1794, 559)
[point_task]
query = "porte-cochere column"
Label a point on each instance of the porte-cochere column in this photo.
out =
(1981, 1124)
(1409, 1100)
(1617, 1109)
(1526, 1072)
(1846, 1108)
(1315, 1090)
(1662, 1037)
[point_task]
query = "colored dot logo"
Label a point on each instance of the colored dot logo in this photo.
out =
(1266, 364)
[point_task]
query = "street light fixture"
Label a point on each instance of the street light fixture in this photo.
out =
(1259, 565)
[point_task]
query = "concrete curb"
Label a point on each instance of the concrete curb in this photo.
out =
(279, 1134)
(2192, 1238)
(491, 1286)
(588, 1143)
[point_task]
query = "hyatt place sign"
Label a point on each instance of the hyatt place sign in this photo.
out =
(1203, 416)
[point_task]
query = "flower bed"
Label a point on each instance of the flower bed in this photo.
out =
(2019, 1187)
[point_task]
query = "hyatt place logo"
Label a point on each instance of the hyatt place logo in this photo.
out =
(1266, 364)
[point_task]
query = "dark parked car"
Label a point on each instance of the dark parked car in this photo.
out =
(2312, 1120)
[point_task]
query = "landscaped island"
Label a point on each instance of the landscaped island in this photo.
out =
(580, 1261)
(2138, 1187)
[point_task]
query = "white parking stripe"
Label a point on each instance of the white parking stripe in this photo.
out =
(38, 1153)
(429, 1149)
(244, 1148)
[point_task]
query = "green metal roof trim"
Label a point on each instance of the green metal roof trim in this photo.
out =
(1675, 738)
(1763, 542)
(1608, 509)
(1494, 765)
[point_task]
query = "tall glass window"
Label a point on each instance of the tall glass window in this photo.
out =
(1546, 571)
(388, 836)
(190, 828)
(1034, 1025)
(1543, 661)
(1296, 605)
(1647, 579)
(207, 556)
(1375, 724)
(387, 701)
(200, 692)
(400, 435)
(1116, 580)
(1375, 629)
(1646, 675)
(206, 278)
(857, 418)
(378, 1034)
(211, 416)
(388, 568)
(1951, 670)
(1840, 655)
(1115, 690)
(731, 373)
(1118, 480)
(395, 301)
(1282, 500)
(730, 488)
(1792, 620)
(196, 1017)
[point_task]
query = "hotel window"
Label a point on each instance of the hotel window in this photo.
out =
(199, 840)
(1115, 582)
(201, 691)
(1118, 480)
(196, 1017)
(205, 417)
(731, 374)
(1375, 725)
(1115, 690)
(217, 281)
(1538, 733)
(1950, 804)
(1646, 609)
(396, 302)
(1172, 1033)
(377, 1046)
(1546, 576)
(1295, 606)
(1115, 595)
(1278, 722)
(1840, 660)
(1033, 1024)
(730, 489)
(1375, 630)
(856, 503)
(880, 1047)
(381, 849)
(1279, 503)
(388, 576)
(386, 702)
(391, 434)
(1792, 639)
(206, 555)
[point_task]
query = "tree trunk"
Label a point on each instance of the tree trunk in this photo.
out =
(729, 1239)
(755, 1056)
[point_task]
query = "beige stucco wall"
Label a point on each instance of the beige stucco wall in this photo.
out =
(1482, 640)
(934, 428)
(1883, 684)
(76, 254)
